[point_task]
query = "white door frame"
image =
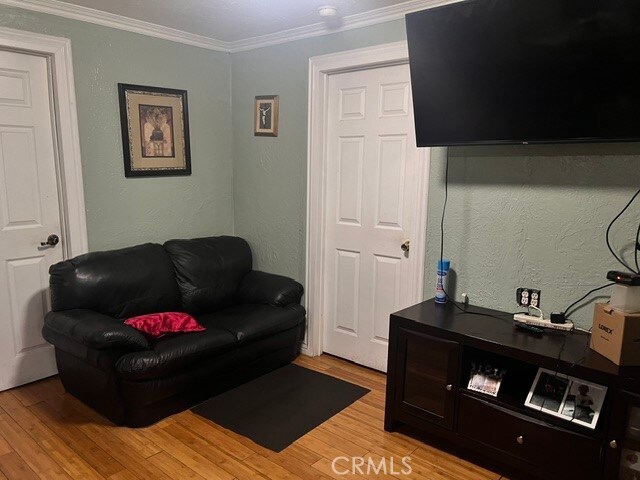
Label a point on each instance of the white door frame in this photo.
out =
(320, 68)
(57, 51)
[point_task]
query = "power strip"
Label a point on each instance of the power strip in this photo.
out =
(542, 322)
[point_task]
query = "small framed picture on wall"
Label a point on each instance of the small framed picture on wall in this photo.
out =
(266, 116)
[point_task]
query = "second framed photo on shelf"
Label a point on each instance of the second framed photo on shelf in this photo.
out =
(485, 379)
(566, 397)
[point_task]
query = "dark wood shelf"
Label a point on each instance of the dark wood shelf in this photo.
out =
(428, 391)
(512, 402)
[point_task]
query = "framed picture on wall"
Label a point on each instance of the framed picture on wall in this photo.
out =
(266, 116)
(155, 131)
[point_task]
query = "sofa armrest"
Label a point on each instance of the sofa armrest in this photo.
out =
(93, 330)
(267, 288)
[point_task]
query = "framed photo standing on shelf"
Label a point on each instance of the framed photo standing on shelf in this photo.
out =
(266, 112)
(486, 379)
(566, 397)
(155, 131)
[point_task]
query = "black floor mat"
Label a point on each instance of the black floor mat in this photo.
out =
(278, 408)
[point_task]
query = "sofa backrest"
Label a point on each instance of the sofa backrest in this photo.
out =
(209, 270)
(120, 283)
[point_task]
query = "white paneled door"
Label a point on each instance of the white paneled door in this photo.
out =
(370, 210)
(29, 214)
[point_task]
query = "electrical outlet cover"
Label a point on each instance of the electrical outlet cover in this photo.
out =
(535, 298)
(528, 297)
(522, 297)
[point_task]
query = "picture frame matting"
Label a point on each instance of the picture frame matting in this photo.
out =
(266, 112)
(155, 131)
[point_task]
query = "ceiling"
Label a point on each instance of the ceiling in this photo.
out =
(236, 20)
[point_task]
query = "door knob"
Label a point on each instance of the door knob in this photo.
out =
(405, 246)
(449, 387)
(613, 444)
(52, 241)
(520, 440)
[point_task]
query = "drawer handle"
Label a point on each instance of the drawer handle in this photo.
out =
(449, 387)
(520, 440)
(613, 444)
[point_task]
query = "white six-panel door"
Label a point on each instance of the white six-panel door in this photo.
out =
(370, 210)
(29, 213)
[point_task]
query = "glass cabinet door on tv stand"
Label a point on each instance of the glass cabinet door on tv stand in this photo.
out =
(624, 446)
(427, 370)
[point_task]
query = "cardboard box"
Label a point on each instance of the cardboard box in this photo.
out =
(616, 335)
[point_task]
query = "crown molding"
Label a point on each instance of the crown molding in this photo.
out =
(105, 19)
(90, 15)
(358, 20)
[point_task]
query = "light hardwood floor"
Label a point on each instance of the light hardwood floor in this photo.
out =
(45, 433)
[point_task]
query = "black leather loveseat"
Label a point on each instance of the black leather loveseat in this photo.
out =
(254, 324)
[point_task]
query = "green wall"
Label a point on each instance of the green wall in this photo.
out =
(121, 211)
(517, 216)
(532, 216)
(270, 174)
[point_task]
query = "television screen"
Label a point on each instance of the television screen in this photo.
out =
(526, 71)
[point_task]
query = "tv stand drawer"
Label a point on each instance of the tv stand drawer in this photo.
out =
(551, 448)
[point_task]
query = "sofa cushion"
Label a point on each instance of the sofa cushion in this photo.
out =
(175, 352)
(251, 322)
(160, 324)
(209, 270)
(119, 283)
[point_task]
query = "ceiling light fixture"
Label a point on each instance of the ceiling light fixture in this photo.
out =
(328, 11)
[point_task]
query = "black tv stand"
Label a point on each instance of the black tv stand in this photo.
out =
(431, 349)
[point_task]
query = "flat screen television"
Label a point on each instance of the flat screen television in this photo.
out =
(526, 71)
